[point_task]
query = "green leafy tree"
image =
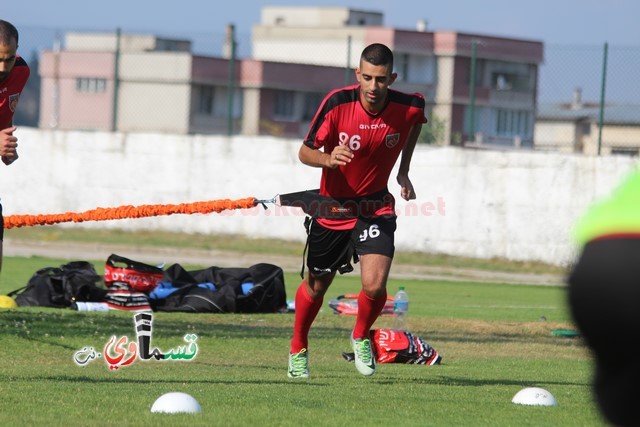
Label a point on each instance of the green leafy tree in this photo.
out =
(434, 131)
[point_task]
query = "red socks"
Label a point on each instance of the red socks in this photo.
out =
(306, 311)
(368, 311)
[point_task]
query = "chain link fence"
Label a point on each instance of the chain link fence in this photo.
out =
(589, 99)
(579, 99)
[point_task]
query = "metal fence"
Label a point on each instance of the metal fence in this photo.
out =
(587, 98)
(594, 89)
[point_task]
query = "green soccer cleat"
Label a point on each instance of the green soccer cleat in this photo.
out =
(299, 364)
(365, 362)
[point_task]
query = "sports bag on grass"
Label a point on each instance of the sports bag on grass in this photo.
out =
(347, 305)
(136, 275)
(59, 287)
(256, 289)
(121, 297)
(393, 346)
(129, 283)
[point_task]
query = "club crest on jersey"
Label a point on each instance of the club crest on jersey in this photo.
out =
(13, 101)
(392, 140)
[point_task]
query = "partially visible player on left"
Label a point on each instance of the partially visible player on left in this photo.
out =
(14, 73)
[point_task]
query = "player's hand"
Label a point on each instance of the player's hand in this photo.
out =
(340, 156)
(406, 187)
(8, 160)
(8, 145)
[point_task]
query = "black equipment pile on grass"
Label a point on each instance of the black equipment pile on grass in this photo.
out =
(60, 287)
(132, 285)
(256, 289)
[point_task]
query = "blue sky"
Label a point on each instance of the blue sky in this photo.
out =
(573, 31)
(552, 21)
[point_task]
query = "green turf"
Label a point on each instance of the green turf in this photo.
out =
(495, 340)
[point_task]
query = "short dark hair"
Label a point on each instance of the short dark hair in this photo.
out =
(377, 54)
(7, 32)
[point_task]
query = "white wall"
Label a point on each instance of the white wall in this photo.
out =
(510, 204)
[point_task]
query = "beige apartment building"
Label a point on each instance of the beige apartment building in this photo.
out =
(574, 127)
(138, 83)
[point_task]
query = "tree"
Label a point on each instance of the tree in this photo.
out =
(434, 131)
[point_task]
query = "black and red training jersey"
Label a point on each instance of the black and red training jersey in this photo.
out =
(10, 90)
(375, 140)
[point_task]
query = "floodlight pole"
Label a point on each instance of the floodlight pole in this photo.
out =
(472, 91)
(55, 114)
(347, 70)
(602, 93)
(116, 82)
(232, 77)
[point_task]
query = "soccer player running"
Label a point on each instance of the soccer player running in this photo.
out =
(361, 129)
(14, 73)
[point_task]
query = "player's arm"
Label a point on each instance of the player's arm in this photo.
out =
(8, 145)
(406, 187)
(339, 156)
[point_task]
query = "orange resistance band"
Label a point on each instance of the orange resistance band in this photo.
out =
(121, 212)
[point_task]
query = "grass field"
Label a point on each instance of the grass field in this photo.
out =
(495, 339)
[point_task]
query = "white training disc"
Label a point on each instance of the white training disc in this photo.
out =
(534, 396)
(176, 402)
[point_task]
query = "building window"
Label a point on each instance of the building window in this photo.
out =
(312, 102)
(506, 81)
(481, 65)
(91, 85)
(503, 82)
(625, 151)
(284, 104)
(512, 76)
(511, 123)
(413, 68)
(501, 127)
(205, 99)
(403, 67)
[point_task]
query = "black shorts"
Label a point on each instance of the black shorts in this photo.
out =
(604, 297)
(1, 224)
(333, 250)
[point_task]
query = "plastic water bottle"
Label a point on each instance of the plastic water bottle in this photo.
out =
(91, 306)
(400, 310)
